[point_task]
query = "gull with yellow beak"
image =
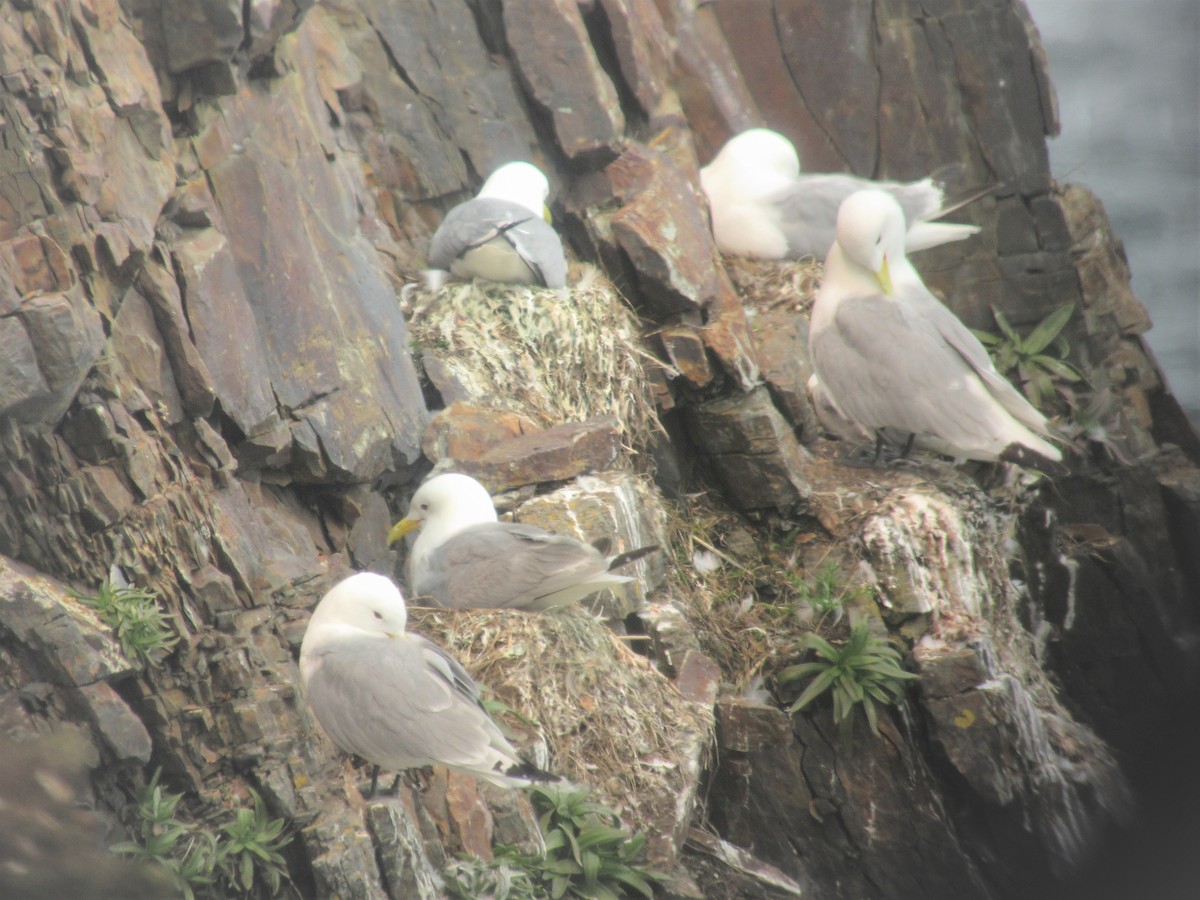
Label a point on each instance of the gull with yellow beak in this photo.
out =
(464, 558)
(897, 363)
(394, 698)
(503, 233)
(764, 207)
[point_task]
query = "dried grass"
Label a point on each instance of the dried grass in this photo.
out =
(611, 720)
(747, 614)
(765, 285)
(555, 356)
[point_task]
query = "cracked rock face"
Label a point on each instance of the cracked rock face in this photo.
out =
(207, 210)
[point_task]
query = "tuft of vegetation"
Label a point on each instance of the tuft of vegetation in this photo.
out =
(1039, 358)
(826, 592)
(588, 855)
(863, 671)
(244, 860)
(135, 618)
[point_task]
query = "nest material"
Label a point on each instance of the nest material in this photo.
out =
(765, 285)
(610, 719)
(557, 356)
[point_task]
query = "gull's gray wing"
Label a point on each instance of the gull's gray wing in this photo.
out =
(403, 702)
(887, 365)
(958, 336)
(502, 225)
(808, 211)
(498, 565)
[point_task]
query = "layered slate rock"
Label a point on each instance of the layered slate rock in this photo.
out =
(205, 376)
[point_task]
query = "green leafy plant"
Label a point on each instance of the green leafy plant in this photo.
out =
(1039, 357)
(826, 591)
(501, 878)
(189, 854)
(863, 671)
(588, 855)
(249, 852)
(245, 859)
(135, 618)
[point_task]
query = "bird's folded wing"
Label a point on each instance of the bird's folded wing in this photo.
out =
(383, 700)
(887, 366)
(505, 565)
(472, 224)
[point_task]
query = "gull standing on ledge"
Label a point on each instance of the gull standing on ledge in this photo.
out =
(763, 207)
(464, 558)
(503, 233)
(394, 698)
(900, 365)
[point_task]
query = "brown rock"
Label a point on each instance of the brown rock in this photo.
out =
(556, 454)
(711, 88)
(206, 31)
(469, 815)
(781, 348)
(685, 350)
(463, 431)
(747, 726)
(754, 452)
(661, 228)
(192, 378)
(114, 723)
(698, 678)
(473, 101)
(643, 50)
(65, 334)
(223, 327)
(554, 56)
(404, 866)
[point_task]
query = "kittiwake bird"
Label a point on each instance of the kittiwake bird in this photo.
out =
(897, 363)
(464, 558)
(503, 233)
(394, 698)
(763, 207)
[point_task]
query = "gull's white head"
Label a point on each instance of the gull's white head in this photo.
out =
(518, 182)
(364, 602)
(870, 231)
(763, 150)
(444, 506)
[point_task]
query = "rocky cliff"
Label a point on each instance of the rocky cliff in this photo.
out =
(210, 386)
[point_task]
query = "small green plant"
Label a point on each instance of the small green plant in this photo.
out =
(864, 671)
(1039, 358)
(469, 877)
(245, 858)
(826, 591)
(135, 618)
(588, 855)
(189, 854)
(249, 852)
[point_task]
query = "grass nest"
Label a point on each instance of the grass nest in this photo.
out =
(763, 588)
(766, 285)
(610, 719)
(556, 356)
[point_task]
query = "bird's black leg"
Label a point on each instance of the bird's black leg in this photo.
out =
(395, 788)
(374, 782)
(879, 443)
(908, 445)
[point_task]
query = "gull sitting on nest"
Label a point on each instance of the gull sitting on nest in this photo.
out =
(464, 558)
(394, 698)
(502, 234)
(763, 207)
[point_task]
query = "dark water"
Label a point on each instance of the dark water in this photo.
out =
(1127, 73)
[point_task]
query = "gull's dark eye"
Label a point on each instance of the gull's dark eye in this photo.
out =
(424, 507)
(377, 614)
